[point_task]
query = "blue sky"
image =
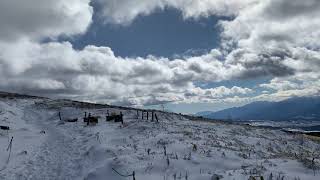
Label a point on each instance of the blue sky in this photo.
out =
(190, 55)
(163, 33)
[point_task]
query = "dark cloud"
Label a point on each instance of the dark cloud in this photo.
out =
(287, 9)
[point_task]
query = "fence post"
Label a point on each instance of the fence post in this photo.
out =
(88, 120)
(156, 117)
(133, 175)
(121, 115)
(9, 148)
(60, 116)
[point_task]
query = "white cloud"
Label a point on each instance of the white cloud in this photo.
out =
(38, 19)
(272, 33)
(198, 94)
(275, 38)
(125, 11)
(95, 73)
(260, 38)
(278, 84)
(301, 84)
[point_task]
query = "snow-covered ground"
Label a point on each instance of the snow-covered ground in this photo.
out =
(294, 124)
(44, 148)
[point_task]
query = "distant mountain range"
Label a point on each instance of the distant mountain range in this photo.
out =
(297, 108)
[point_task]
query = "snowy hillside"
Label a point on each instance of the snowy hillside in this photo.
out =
(45, 148)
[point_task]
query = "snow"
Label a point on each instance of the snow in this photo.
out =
(76, 151)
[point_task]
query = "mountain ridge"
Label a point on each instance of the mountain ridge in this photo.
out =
(290, 109)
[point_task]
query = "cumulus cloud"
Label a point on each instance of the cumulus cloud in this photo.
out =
(58, 68)
(38, 19)
(301, 84)
(273, 32)
(277, 84)
(278, 38)
(214, 94)
(125, 11)
(274, 38)
(260, 36)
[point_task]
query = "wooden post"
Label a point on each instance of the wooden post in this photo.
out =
(137, 114)
(156, 117)
(121, 115)
(88, 120)
(60, 116)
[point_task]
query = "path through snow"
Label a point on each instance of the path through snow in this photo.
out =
(58, 158)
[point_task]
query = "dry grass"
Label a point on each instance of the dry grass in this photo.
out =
(313, 138)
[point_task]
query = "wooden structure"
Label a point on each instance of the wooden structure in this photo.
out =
(145, 114)
(115, 117)
(90, 119)
(4, 128)
(71, 120)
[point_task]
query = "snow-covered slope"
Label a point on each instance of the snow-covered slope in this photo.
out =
(174, 148)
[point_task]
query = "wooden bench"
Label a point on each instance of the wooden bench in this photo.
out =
(4, 127)
(91, 119)
(72, 120)
(115, 118)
